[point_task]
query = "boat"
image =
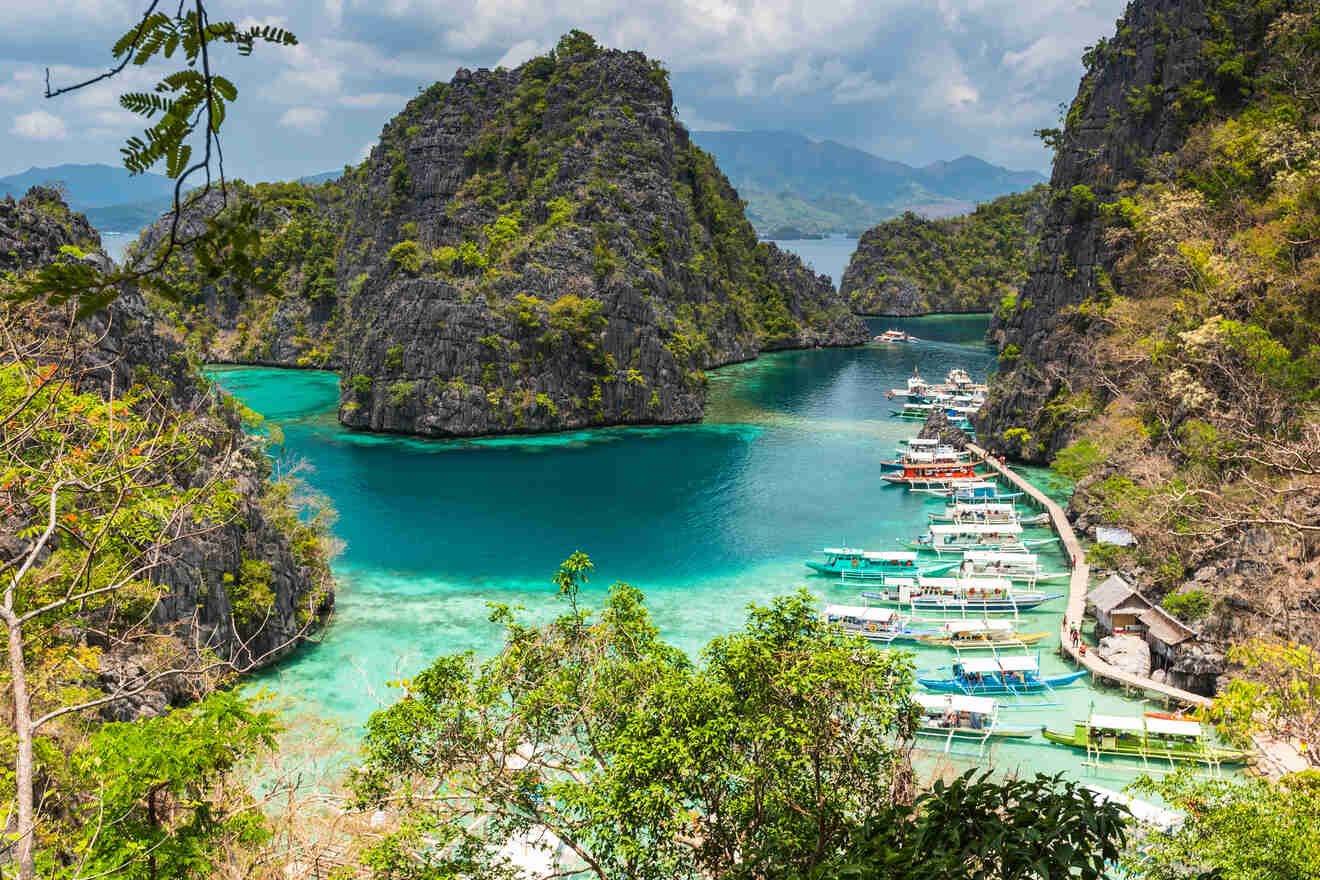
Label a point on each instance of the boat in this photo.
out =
(874, 624)
(923, 474)
(874, 564)
(1146, 738)
(958, 538)
(982, 492)
(894, 336)
(1013, 565)
(973, 633)
(928, 592)
(954, 717)
(916, 387)
(999, 675)
(924, 452)
(990, 512)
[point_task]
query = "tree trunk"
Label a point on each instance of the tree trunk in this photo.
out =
(23, 771)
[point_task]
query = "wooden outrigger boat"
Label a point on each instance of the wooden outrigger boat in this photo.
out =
(999, 675)
(967, 596)
(970, 633)
(987, 512)
(958, 538)
(1013, 565)
(925, 452)
(874, 564)
(978, 491)
(957, 717)
(1162, 739)
(934, 473)
(871, 623)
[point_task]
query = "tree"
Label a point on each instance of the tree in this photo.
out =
(594, 733)
(100, 487)
(977, 829)
(1248, 829)
(1279, 694)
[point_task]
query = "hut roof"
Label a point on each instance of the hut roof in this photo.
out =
(1162, 626)
(1112, 593)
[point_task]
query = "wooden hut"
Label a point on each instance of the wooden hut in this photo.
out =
(1121, 610)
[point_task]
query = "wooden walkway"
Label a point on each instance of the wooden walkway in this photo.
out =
(1078, 586)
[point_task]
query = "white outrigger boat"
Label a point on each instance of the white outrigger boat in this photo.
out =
(871, 623)
(970, 633)
(961, 596)
(1015, 566)
(894, 336)
(989, 512)
(942, 538)
(958, 717)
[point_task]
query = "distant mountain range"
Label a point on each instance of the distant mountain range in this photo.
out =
(113, 200)
(790, 180)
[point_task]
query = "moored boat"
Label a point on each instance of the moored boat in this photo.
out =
(999, 675)
(875, 624)
(992, 512)
(962, 595)
(1164, 739)
(973, 633)
(1015, 566)
(960, 718)
(925, 474)
(874, 563)
(894, 336)
(958, 538)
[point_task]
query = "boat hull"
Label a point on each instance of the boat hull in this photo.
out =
(953, 603)
(953, 686)
(879, 570)
(1192, 755)
(935, 641)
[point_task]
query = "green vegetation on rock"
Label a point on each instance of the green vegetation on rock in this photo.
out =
(914, 266)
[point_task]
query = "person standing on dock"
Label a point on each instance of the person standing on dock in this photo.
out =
(1074, 635)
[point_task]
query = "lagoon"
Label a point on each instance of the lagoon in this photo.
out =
(705, 518)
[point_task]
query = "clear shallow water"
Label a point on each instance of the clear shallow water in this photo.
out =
(704, 518)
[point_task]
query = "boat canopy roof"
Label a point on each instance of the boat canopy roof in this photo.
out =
(976, 529)
(1025, 559)
(992, 507)
(1117, 722)
(843, 551)
(922, 441)
(956, 702)
(972, 583)
(868, 613)
(989, 626)
(897, 556)
(1173, 727)
(900, 581)
(995, 664)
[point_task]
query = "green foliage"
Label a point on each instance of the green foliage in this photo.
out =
(1078, 459)
(394, 358)
(576, 44)
(406, 257)
(547, 405)
(399, 393)
(653, 731)
(1279, 695)
(1010, 354)
(1082, 203)
(1190, 606)
(251, 597)
(361, 384)
(1235, 829)
(961, 264)
(162, 781)
(580, 318)
(975, 828)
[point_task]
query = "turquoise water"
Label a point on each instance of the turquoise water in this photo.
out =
(704, 518)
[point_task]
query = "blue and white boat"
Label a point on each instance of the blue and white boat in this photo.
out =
(999, 675)
(958, 538)
(874, 624)
(875, 564)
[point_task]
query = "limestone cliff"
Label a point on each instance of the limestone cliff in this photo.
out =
(248, 587)
(1165, 349)
(528, 250)
(914, 266)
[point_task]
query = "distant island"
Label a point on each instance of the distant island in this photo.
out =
(819, 187)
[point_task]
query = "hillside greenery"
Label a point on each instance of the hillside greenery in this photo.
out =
(973, 263)
(1201, 429)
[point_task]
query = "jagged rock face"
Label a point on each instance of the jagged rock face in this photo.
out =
(938, 427)
(115, 348)
(1127, 653)
(545, 249)
(1123, 114)
(34, 228)
(914, 266)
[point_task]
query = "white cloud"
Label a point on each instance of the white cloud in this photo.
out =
(374, 99)
(39, 126)
(694, 121)
(307, 120)
(521, 51)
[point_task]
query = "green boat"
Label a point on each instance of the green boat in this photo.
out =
(1145, 737)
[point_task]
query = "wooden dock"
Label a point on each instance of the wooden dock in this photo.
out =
(1078, 585)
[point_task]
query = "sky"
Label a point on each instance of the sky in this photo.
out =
(912, 80)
